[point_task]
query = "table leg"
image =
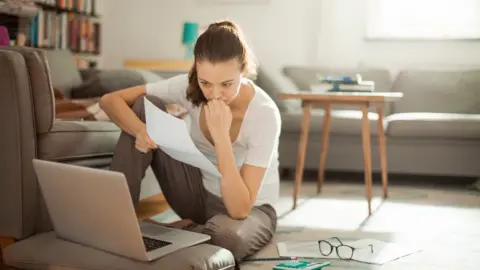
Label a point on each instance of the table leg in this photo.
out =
(367, 155)
(383, 151)
(302, 148)
(323, 152)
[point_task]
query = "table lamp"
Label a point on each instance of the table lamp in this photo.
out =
(190, 34)
(4, 36)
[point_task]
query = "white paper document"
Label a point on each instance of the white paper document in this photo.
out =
(383, 252)
(171, 135)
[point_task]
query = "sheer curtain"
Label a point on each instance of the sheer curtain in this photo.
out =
(423, 19)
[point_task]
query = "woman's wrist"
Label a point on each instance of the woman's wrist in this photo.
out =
(139, 128)
(222, 138)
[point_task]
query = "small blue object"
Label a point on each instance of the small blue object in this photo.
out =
(303, 265)
(337, 79)
(190, 33)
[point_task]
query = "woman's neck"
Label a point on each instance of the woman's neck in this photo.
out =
(245, 95)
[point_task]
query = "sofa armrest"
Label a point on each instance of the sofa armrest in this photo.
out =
(18, 186)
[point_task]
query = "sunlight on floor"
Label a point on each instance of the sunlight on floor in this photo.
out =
(328, 213)
(409, 210)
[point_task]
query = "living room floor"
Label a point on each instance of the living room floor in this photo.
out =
(444, 218)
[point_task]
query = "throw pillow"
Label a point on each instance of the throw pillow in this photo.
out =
(106, 82)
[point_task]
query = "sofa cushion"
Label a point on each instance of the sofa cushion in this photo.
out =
(107, 81)
(434, 125)
(46, 251)
(438, 91)
(70, 140)
(274, 84)
(305, 76)
(342, 122)
(41, 86)
(63, 70)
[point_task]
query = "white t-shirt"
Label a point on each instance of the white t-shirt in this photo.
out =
(257, 142)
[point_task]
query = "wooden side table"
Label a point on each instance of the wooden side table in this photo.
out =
(326, 100)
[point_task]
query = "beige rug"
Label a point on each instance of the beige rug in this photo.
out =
(445, 222)
(443, 251)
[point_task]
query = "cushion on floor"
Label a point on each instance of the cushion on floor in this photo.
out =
(46, 251)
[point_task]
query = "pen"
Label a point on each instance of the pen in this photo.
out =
(283, 258)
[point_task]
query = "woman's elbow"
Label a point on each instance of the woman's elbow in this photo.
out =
(239, 214)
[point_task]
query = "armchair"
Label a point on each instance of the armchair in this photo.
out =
(30, 129)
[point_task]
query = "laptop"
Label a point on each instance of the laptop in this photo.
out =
(93, 207)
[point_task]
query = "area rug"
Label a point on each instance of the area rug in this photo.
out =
(438, 252)
(445, 222)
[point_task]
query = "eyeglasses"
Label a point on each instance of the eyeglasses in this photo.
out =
(344, 252)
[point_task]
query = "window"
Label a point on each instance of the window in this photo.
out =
(423, 19)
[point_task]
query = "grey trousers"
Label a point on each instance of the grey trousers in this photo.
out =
(183, 189)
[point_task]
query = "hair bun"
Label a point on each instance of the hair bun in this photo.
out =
(225, 23)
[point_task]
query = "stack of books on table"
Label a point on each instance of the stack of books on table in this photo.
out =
(342, 84)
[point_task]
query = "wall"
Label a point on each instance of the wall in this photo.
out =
(300, 32)
(279, 32)
(341, 43)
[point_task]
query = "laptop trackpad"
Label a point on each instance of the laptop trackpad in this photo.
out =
(155, 230)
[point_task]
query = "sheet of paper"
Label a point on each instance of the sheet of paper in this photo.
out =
(383, 252)
(171, 135)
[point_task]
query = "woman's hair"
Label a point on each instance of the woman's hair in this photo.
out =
(222, 41)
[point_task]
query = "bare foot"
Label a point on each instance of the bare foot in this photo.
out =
(180, 224)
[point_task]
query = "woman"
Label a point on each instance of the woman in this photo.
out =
(235, 124)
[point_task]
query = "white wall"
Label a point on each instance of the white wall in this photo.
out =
(279, 32)
(341, 43)
(303, 32)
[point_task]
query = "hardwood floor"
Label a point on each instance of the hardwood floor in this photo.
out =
(152, 206)
(4, 242)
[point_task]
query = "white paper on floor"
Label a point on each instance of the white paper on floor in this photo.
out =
(383, 252)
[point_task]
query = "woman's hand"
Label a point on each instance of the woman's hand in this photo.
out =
(143, 143)
(219, 119)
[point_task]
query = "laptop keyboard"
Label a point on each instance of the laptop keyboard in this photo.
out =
(151, 244)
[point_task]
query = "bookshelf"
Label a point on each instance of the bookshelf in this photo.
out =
(57, 24)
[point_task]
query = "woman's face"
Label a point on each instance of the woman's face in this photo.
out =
(220, 80)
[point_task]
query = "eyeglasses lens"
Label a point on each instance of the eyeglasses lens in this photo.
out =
(345, 252)
(325, 248)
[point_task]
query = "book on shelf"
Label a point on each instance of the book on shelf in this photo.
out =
(53, 24)
(54, 30)
(83, 6)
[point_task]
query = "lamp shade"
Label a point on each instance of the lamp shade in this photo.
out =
(190, 33)
(4, 37)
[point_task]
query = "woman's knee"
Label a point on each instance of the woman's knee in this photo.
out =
(242, 237)
(225, 232)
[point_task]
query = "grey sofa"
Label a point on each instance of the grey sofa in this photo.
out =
(30, 130)
(433, 130)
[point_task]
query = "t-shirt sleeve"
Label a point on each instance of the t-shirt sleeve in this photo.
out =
(264, 138)
(171, 91)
